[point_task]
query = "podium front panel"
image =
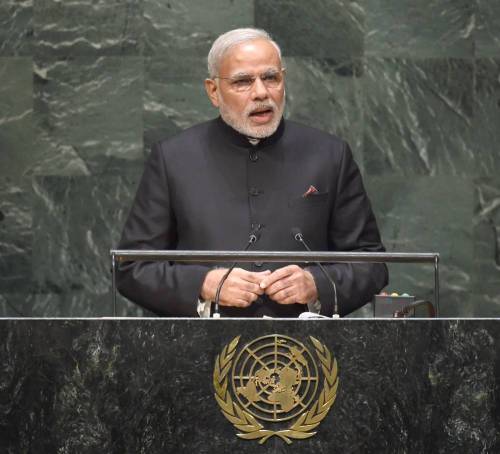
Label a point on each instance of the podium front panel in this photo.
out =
(151, 386)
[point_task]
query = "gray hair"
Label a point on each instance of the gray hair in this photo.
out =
(224, 42)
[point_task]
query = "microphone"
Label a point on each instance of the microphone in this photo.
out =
(253, 237)
(297, 236)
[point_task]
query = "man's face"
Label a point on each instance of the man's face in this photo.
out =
(254, 110)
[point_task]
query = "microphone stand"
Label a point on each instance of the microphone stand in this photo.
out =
(297, 235)
(251, 239)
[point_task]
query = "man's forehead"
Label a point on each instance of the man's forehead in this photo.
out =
(251, 55)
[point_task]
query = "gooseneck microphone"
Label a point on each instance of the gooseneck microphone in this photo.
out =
(253, 237)
(297, 236)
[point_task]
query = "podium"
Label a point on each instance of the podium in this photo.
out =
(118, 256)
(147, 385)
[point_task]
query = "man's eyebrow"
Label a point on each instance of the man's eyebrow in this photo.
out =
(245, 74)
(241, 74)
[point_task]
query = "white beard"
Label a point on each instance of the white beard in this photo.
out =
(242, 122)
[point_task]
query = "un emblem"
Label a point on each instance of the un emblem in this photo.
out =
(270, 387)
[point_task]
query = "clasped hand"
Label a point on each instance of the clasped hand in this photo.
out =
(288, 285)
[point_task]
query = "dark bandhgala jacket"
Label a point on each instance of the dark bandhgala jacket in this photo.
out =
(206, 188)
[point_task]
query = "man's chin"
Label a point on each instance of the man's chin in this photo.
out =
(251, 128)
(261, 130)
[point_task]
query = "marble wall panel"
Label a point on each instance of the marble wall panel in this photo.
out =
(17, 157)
(486, 130)
(58, 302)
(88, 113)
(487, 248)
(61, 303)
(317, 28)
(16, 27)
(327, 96)
(17, 151)
(487, 34)
(360, 69)
(188, 27)
(15, 236)
(427, 214)
(419, 29)
(174, 97)
(418, 116)
(77, 221)
(88, 27)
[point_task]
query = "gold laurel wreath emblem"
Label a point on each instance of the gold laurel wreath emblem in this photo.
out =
(250, 428)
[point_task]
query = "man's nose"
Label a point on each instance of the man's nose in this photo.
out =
(259, 90)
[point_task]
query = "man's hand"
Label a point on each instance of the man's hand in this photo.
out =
(290, 284)
(240, 289)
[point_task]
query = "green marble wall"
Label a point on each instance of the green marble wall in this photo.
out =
(86, 86)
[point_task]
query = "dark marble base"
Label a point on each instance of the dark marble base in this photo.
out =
(137, 386)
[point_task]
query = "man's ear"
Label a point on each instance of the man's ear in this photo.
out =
(211, 88)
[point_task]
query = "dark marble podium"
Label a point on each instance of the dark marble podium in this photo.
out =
(145, 386)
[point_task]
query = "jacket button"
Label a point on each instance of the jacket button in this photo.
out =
(254, 191)
(254, 156)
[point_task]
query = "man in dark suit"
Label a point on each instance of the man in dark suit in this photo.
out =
(209, 186)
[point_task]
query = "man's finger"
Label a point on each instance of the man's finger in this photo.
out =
(280, 273)
(235, 302)
(284, 294)
(282, 284)
(255, 277)
(249, 287)
(288, 300)
(238, 299)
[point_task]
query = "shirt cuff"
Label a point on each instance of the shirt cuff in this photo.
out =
(203, 308)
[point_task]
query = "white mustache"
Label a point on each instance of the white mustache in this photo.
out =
(261, 106)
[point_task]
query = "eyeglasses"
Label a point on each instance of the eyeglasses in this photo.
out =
(243, 82)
